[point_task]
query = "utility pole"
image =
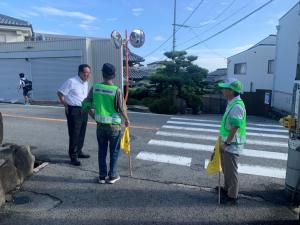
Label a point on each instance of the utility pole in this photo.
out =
(174, 27)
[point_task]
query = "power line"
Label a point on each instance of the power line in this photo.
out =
(219, 15)
(211, 50)
(217, 24)
(168, 39)
(230, 26)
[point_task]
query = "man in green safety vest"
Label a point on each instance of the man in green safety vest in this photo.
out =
(109, 107)
(233, 136)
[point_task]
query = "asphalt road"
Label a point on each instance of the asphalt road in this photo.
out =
(169, 184)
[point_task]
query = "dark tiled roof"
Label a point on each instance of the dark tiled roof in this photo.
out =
(218, 72)
(10, 21)
(136, 73)
(133, 57)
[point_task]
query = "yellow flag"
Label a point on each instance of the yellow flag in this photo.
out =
(214, 165)
(125, 141)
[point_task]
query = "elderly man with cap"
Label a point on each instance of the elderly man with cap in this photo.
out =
(233, 136)
(107, 101)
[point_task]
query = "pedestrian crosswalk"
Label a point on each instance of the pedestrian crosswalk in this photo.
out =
(182, 141)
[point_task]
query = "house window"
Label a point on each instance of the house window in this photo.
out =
(271, 66)
(240, 68)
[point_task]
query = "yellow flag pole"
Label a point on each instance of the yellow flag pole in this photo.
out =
(219, 188)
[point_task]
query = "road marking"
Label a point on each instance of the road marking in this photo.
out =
(217, 131)
(209, 148)
(218, 126)
(219, 121)
(258, 170)
(213, 138)
(170, 159)
(64, 120)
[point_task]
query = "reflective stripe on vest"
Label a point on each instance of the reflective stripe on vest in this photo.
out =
(240, 136)
(104, 104)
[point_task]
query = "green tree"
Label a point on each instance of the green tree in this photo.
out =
(179, 80)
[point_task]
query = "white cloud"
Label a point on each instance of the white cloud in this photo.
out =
(88, 27)
(159, 38)
(137, 11)
(113, 19)
(204, 23)
(189, 8)
(58, 12)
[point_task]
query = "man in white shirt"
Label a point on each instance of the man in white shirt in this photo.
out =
(71, 94)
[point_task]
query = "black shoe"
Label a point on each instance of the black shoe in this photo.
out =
(102, 180)
(229, 201)
(223, 191)
(75, 162)
(83, 156)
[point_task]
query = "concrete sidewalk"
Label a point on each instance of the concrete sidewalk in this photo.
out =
(62, 194)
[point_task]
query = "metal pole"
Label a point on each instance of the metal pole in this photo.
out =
(127, 72)
(1, 128)
(174, 27)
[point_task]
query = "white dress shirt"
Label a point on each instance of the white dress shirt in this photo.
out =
(74, 90)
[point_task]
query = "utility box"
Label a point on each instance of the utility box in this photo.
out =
(292, 181)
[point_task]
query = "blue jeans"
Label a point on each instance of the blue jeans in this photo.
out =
(108, 136)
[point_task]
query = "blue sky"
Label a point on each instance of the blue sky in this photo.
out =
(98, 18)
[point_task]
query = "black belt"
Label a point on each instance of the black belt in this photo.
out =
(76, 107)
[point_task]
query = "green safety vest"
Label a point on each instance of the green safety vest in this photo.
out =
(104, 104)
(240, 136)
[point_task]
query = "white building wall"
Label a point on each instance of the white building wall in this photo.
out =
(257, 67)
(11, 36)
(286, 59)
(60, 60)
(103, 51)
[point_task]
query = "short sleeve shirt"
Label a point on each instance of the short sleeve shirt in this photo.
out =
(235, 114)
(74, 90)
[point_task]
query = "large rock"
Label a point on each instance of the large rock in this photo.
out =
(1, 128)
(21, 157)
(8, 176)
(2, 195)
(24, 161)
(7, 153)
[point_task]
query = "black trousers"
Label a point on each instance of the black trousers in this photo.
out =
(77, 122)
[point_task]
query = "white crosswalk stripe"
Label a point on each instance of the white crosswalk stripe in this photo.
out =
(210, 148)
(184, 135)
(213, 138)
(217, 131)
(218, 126)
(171, 159)
(218, 122)
(258, 170)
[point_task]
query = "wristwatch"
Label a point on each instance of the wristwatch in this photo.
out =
(227, 144)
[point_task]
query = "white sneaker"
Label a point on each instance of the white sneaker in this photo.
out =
(113, 180)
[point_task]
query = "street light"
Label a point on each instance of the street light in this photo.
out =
(136, 39)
